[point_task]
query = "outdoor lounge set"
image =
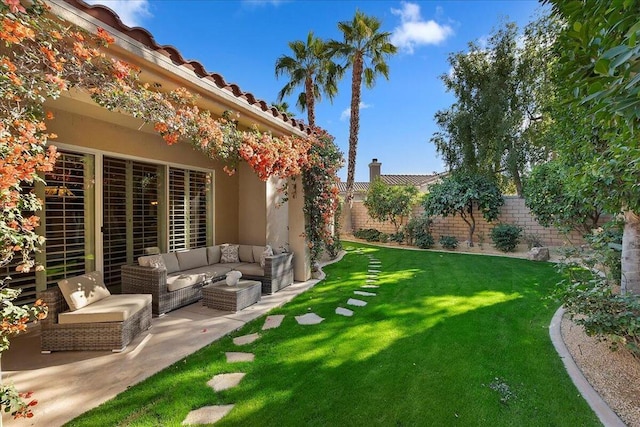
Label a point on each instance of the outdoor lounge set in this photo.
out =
(84, 315)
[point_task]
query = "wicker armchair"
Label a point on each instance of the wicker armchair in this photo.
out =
(278, 273)
(113, 336)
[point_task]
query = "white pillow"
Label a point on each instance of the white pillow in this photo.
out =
(156, 261)
(80, 291)
(229, 254)
(267, 252)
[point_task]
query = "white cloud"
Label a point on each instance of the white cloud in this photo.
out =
(131, 12)
(346, 113)
(414, 31)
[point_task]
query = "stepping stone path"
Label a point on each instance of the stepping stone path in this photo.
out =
(225, 381)
(374, 271)
(213, 414)
(273, 321)
(246, 339)
(365, 294)
(309, 319)
(207, 415)
(344, 312)
(356, 302)
(233, 357)
(370, 286)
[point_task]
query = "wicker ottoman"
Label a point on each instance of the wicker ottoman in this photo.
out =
(220, 296)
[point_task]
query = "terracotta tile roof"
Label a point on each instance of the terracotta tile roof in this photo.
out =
(417, 180)
(110, 18)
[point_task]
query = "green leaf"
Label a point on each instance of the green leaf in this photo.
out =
(602, 66)
(577, 26)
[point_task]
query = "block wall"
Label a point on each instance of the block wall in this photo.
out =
(513, 211)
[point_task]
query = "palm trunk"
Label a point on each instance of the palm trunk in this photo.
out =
(311, 105)
(630, 280)
(354, 127)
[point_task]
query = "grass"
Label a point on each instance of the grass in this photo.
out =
(450, 339)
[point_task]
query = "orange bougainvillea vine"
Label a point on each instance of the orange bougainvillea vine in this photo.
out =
(41, 57)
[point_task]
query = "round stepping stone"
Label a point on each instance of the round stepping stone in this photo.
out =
(374, 271)
(364, 294)
(344, 312)
(225, 381)
(356, 302)
(370, 286)
(370, 281)
(207, 415)
(234, 356)
(246, 339)
(309, 319)
(273, 321)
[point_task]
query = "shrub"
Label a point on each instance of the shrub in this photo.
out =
(449, 242)
(383, 238)
(604, 314)
(533, 240)
(397, 237)
(368, 234)
(506, 236)
(419, 229)
(587, 292)
(425, 241)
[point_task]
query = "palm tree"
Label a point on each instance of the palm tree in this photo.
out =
(365, 49)
(311, 67)
(283, 107)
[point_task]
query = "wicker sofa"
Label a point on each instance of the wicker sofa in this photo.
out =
(175, 279)
(83, 315)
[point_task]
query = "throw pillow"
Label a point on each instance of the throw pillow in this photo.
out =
(156, 261)
(229, 254)
(80, 291)
(267, 252)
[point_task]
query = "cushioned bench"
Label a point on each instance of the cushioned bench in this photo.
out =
(83, 315)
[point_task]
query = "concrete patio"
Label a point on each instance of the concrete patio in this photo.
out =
(66, 384)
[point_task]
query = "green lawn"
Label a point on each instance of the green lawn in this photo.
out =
(450, 339)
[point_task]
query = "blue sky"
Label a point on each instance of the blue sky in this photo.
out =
(242, 39)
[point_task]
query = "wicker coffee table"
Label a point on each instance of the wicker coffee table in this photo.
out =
(220, 296)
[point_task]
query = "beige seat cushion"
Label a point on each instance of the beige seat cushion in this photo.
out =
(252, 269)
(81, 291)
(215, 270)
(115, 308)
(213, 254)
(192, 258)
(179, 281)
(171, 262)
(257, 252)
(245, 253)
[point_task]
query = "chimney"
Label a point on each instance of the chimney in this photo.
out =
(374, 170)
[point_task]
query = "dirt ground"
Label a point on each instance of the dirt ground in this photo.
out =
(614, 375)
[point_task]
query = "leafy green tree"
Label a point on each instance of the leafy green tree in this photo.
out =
(554, 200)
(601, 64)
(365, 49)
(459, 194)
(312, 68)
(499, 90)
(390, 202)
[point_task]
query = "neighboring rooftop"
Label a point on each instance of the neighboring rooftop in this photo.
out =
(419, 181)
